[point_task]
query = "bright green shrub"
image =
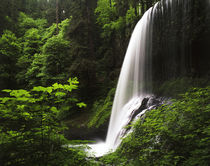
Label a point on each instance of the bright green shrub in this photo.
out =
(32, 129)
(175, 134)
(25, 22)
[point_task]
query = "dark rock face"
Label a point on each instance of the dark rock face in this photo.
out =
(143, 106)
(154, 101)
(147, 104)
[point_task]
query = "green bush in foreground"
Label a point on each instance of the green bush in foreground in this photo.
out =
(31, 127)
(175, 134)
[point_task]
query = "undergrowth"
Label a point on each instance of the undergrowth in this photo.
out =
(175, 134)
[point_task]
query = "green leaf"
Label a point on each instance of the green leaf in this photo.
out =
(80, 105)
(58, 86)
(26, 114)
(5, 99)
(49, 90)
(39, 89)
(20, 93)
(23, 99)
(54, 110)
(21, 107)
(60, 94)
(6, 90)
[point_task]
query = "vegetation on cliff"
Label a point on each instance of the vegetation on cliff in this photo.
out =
(174, 134)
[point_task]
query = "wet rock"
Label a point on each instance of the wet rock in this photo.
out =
(153, 101)
(141, 108)
(147, 104)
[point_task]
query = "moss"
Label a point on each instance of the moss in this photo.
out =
(174, 87)
(102, 110)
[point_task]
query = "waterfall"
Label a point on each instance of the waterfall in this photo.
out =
(134, 76)
(133, 83)
(136, 79)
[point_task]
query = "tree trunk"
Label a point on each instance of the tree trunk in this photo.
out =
(148, 4)
(142, 7)
(90, 32)
(135, 11)
(57, 17)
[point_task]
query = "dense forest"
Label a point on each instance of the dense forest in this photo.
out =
(59, 66)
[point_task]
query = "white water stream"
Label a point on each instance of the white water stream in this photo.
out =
(135, 77)
(131, 90)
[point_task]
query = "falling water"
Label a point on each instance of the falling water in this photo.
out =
(131, 88)
(135, 79)
(134, 76)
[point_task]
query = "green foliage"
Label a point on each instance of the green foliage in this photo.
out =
(118, 25)
(63, 27)
(55, 55)
(30, 32)
(80, 105)
(131, 17)
(107, 18)
(175, 134)
(174, 87)
(31, 45)
(105, 12)
(45, 54)
(55, 59)
(34, 72)
(9, 51)
(32, 41)
(25, 22)
(102, 110)
(55, 45)
(31, 126)
(51, 31)
(114, 159)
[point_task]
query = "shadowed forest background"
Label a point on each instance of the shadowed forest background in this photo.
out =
(65, 57)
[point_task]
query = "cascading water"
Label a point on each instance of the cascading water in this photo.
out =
(131, 89)
(135, 80)
(134, 76)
